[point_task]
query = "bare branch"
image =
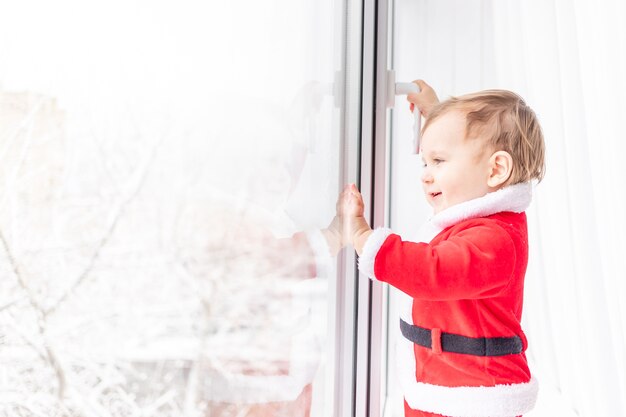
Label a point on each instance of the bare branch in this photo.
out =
(141, 173)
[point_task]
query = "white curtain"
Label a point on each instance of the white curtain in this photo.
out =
(567, 59)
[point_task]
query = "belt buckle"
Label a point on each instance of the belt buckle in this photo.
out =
(435, 340)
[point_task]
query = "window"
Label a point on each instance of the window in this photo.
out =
(164, 168)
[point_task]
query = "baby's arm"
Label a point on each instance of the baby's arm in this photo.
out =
(474, 262)
(333, 236)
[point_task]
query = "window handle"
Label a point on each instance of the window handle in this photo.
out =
(398, 89)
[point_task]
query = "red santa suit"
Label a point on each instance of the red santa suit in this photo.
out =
(461, 352)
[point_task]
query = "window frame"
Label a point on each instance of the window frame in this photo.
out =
(371, 303)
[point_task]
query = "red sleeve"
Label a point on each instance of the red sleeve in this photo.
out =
(475, 262)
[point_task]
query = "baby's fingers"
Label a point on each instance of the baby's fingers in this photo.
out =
(352, 201)
(425, 99)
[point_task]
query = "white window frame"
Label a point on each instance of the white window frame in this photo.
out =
(361, 319)
(370, 360)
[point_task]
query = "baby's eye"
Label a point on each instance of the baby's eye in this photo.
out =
(434, 161)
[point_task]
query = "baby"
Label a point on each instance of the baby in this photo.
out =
(462, 347)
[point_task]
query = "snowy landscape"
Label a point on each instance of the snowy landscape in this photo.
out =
(129, 286)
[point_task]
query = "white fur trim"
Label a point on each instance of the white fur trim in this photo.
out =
(515, 198)
(496, 401)
(370, 249)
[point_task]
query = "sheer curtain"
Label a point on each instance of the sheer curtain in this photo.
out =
(567, 60)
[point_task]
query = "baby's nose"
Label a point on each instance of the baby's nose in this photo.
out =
(426, 176)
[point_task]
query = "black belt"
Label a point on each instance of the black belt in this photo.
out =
(439, 341)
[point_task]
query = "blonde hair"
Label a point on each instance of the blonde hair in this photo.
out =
(507, 123)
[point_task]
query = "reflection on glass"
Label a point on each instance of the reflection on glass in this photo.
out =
(165, 169)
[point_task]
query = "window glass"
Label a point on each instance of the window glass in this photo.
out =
(165, 168)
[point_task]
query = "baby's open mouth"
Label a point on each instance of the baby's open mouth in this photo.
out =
(435, 194)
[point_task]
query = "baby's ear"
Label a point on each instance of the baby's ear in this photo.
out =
(501, 166)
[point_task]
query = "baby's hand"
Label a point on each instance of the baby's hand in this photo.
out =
(355, 227)
(350, 203)
(425, 100)
(337, 234)
(349, 224)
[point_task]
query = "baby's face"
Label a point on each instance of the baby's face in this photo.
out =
(456, 169)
